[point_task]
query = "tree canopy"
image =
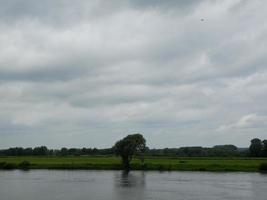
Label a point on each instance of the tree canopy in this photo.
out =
(128, 146)
(255, 148)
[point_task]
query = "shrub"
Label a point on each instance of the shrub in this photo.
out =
(24, 164)
(144, 166)
(5, 165)
(160, 167)
(2, 164)
(169, 168)
(263, 167)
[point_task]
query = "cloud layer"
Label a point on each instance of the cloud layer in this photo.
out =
(86, 73)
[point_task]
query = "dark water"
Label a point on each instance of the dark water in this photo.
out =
(102, 185)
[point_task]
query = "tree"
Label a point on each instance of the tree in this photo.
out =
(225, 150)
(40, 151)
(264, 149)
(64, 151)
(128, 146)
(255, 148)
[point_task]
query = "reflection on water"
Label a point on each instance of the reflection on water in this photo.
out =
(124, 184)
(137, 185)
(128, 179)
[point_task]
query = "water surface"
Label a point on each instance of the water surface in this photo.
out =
(137, 185)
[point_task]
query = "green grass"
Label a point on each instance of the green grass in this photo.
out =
(152, 163)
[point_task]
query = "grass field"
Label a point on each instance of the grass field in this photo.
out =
(154, 163)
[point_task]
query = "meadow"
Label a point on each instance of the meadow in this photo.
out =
(150, 163)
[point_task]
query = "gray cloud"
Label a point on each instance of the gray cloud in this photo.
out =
(64, 12)
(72, 74)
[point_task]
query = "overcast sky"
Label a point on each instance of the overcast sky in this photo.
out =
(86, 73)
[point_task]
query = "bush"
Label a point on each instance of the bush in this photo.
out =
(263, 167)
(160, 167)
(24, 164)
(4, 165)
(144, 166)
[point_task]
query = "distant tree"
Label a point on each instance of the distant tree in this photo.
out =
(264, 149)
(129, 146)
(227, 147)
(225, 150)
(255, 148)
(28, 151)
(64, 151)
(74, 152)
(191, 151)
(40, 151)
(94, 151)
(83, 151)
(51, 152)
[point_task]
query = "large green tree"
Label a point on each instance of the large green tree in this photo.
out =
(255, 148)
(128, 146)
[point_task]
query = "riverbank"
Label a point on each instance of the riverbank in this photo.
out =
(152, 163)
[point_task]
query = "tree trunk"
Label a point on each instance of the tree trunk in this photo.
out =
(126, 163)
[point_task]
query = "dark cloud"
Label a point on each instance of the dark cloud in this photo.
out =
(178, 5)
(43, 74)
(64, 10)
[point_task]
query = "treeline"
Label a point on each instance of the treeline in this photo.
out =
(44, 151)
(216, 151)
(222, 151)
(257, 148)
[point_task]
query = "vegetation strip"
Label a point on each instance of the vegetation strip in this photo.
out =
(114, 163)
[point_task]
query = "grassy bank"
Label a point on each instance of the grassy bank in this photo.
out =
(154, 163)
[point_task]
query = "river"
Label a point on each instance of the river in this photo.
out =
(137, 185)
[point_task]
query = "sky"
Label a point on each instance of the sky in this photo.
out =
(87, 73)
